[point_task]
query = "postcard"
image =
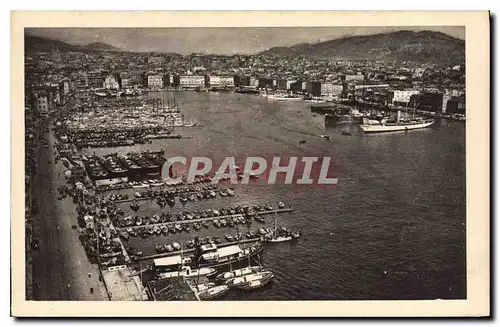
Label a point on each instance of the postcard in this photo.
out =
(269, 164)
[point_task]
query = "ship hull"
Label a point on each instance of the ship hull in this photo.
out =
(398, 128)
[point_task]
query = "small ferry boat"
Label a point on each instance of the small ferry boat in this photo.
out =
(254, 280)
(190, 124)
(213, 292)
(226, 277)
(186, 271)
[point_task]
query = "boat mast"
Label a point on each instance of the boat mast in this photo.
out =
(275, 223)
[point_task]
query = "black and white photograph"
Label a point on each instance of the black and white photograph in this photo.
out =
(246, 163)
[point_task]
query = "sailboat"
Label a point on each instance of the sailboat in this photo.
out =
(274, 237)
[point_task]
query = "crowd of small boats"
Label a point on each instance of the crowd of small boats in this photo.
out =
(223, 217)
(112, 122)
(168, 195)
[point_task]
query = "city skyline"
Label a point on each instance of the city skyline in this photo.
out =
(250, 40)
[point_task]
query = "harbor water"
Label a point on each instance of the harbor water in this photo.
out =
(394, 227)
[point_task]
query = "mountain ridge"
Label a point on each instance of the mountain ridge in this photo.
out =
(404, 45)
(38, 43)
(422, 46)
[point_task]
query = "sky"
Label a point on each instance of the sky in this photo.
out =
(221, 40)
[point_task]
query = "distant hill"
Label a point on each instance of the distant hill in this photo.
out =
(424, 46)
(36, 43)
(46, 45)
(99, 46)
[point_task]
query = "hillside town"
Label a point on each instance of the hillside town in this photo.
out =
(52, 76)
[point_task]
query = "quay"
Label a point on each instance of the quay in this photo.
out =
(207, 218)
(118, 239)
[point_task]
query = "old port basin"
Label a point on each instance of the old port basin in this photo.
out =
(155, 237)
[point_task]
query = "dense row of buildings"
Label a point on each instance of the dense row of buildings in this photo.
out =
(425, 86)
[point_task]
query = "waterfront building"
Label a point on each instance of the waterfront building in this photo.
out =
(401, 96)
(313, 88)
(281, 84)
(296, 87)
(329, 89)
(95, 78)
(289, 84)
(155, 81)
(241, 80)
(429, 101)
(455, 105)
(220, 81)
(110, 82)
(265, 83)
(254, 82)
(191, 81)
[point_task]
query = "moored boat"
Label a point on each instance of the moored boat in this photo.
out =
(394, 125)
(228, 276)
(134, 205)
(254, 280)
(213, 292)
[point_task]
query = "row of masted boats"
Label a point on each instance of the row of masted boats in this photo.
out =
(242, 213)
(179, 227)
(186, 190)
